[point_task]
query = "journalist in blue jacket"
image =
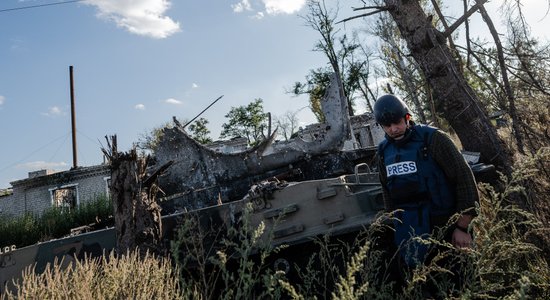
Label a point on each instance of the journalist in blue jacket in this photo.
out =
(424, 175)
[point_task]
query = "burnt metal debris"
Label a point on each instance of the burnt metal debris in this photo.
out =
(200, 176)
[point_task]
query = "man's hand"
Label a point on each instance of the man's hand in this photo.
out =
(461, 239)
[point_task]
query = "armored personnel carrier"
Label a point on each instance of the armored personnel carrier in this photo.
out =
(302, 188)
(294, 211)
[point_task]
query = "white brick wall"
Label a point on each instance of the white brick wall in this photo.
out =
(34, 194)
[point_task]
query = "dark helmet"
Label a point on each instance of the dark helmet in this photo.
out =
(389, 109)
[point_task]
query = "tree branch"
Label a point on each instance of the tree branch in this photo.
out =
(368, 7)
(381, 9)
(504, 74)
(462, 19)
(444, 22)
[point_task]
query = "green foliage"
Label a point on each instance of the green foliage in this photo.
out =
(21, 231)
(246, 121)
(200, 132)
(5, 192)
(317, 82)
(53, 223)
(110, 277)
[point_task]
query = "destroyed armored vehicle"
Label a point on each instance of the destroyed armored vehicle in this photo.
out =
(299, 189)
(295, 212)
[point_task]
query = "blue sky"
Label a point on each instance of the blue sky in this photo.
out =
(136, 64)
(133, 71)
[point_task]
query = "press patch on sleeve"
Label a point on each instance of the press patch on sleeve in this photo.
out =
(401, 168)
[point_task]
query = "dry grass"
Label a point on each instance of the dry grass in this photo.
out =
(109, 277)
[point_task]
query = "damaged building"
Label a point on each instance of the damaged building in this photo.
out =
(46, 188)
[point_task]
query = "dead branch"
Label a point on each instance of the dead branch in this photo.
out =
(444, 23)
(379, 10)
(463, 18)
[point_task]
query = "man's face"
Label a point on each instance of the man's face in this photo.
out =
(396, 130)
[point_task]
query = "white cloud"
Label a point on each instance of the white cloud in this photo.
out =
(54, 111)
(140, 106)
(195, 86)
(241, 6)
(18, 44)
(2, 99)
(258, 16)
(272, 7)
(41, 165)
(142, 17)
(173, 101)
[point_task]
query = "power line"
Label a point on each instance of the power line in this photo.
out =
(39, 5)
(32, 153)
(60, 146)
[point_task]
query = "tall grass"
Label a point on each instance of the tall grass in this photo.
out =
(53, 223)
(110, 277)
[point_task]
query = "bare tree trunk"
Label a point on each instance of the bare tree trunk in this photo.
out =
(137, 214)
(452, 94)
(504, 73)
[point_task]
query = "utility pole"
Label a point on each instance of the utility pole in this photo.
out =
(73, 118)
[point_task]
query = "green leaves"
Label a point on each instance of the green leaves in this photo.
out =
(200, 132)
(246, 121)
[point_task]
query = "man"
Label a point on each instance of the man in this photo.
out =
(424, 176)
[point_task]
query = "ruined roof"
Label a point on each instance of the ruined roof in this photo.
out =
(38, 179)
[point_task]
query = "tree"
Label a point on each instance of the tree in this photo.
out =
(246, 121)
(287, 124)
(343, 54)
(317, 81)
(451, 92)
(400, 69)
(514, 75)
(200, 132)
